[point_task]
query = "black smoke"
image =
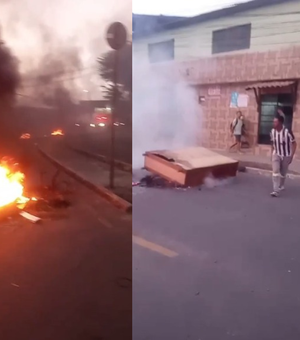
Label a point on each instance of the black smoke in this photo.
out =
(9, 73)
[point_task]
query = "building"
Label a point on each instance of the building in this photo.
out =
(143, 24)
(246, 56)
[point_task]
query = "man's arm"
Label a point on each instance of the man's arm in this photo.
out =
(272, 143)
(294, 148)
(294, 144)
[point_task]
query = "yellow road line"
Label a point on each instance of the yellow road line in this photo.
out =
(153, 246)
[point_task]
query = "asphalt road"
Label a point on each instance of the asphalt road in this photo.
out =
(67, 279)
(99, 143)
(220, 263)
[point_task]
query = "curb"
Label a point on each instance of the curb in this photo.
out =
(263, 167)
(269, 173)
(108, 195)
(119, 164)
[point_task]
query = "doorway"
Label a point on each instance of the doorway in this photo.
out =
(269, 104)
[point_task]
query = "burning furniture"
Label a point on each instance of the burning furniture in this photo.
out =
(190, 167)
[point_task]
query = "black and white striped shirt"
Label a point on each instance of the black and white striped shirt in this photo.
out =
(282, 142)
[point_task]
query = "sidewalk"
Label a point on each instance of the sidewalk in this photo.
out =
(89, 171)
(258, 162)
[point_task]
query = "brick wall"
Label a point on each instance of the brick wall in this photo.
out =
(238, 68)
(232, 73)
(217, 116)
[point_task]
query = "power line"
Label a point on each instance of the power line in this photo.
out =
(60, 80)
(59, 73)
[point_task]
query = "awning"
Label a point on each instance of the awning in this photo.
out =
(270, 84)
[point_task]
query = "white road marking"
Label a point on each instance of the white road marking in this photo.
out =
(153, 247)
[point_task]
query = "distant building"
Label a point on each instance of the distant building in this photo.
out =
(245, 56)
(146, 24)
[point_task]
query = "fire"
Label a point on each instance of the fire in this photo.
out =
(58, 132)
(25, 136)
(11, 188)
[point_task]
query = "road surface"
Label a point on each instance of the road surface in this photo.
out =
(67, 279)
(89, 168)
(217, 264)
(100, 143)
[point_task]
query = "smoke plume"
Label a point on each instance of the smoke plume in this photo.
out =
(9, 72)
(57, 44)
(166, 112)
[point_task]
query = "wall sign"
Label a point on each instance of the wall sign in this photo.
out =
(243, 100)
(239, 100)
(214, 91)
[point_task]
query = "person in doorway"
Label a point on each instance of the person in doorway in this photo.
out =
(236, 129)
(280, 113)
(283, 150)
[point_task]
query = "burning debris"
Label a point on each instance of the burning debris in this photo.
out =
(15, 200)
(11, 188)
(155, 181)
(58, 132)
(188, 167)
(25, 136)
(29, 217)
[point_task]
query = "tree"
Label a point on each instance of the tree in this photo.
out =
(124, 69)
(9, 72)
(9, 82)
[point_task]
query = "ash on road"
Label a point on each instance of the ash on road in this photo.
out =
(221, 263)
(70, 278)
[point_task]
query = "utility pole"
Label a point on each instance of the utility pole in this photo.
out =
(116, 37)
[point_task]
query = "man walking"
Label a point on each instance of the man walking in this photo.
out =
(283, 150)
(236, 128)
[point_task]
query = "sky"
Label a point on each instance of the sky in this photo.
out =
(72, 28)
(180, 8)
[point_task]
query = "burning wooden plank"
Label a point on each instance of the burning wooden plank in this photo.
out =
(190, 167)
(30, 217)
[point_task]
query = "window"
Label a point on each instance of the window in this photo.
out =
(162, 51)
(268, 110)
(231, 39)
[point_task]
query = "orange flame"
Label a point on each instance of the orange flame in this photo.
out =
(25, 136)
(11, 188)
(58, 132)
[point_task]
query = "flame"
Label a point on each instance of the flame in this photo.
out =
(11, 188)
(58, 132)
(25, 136)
